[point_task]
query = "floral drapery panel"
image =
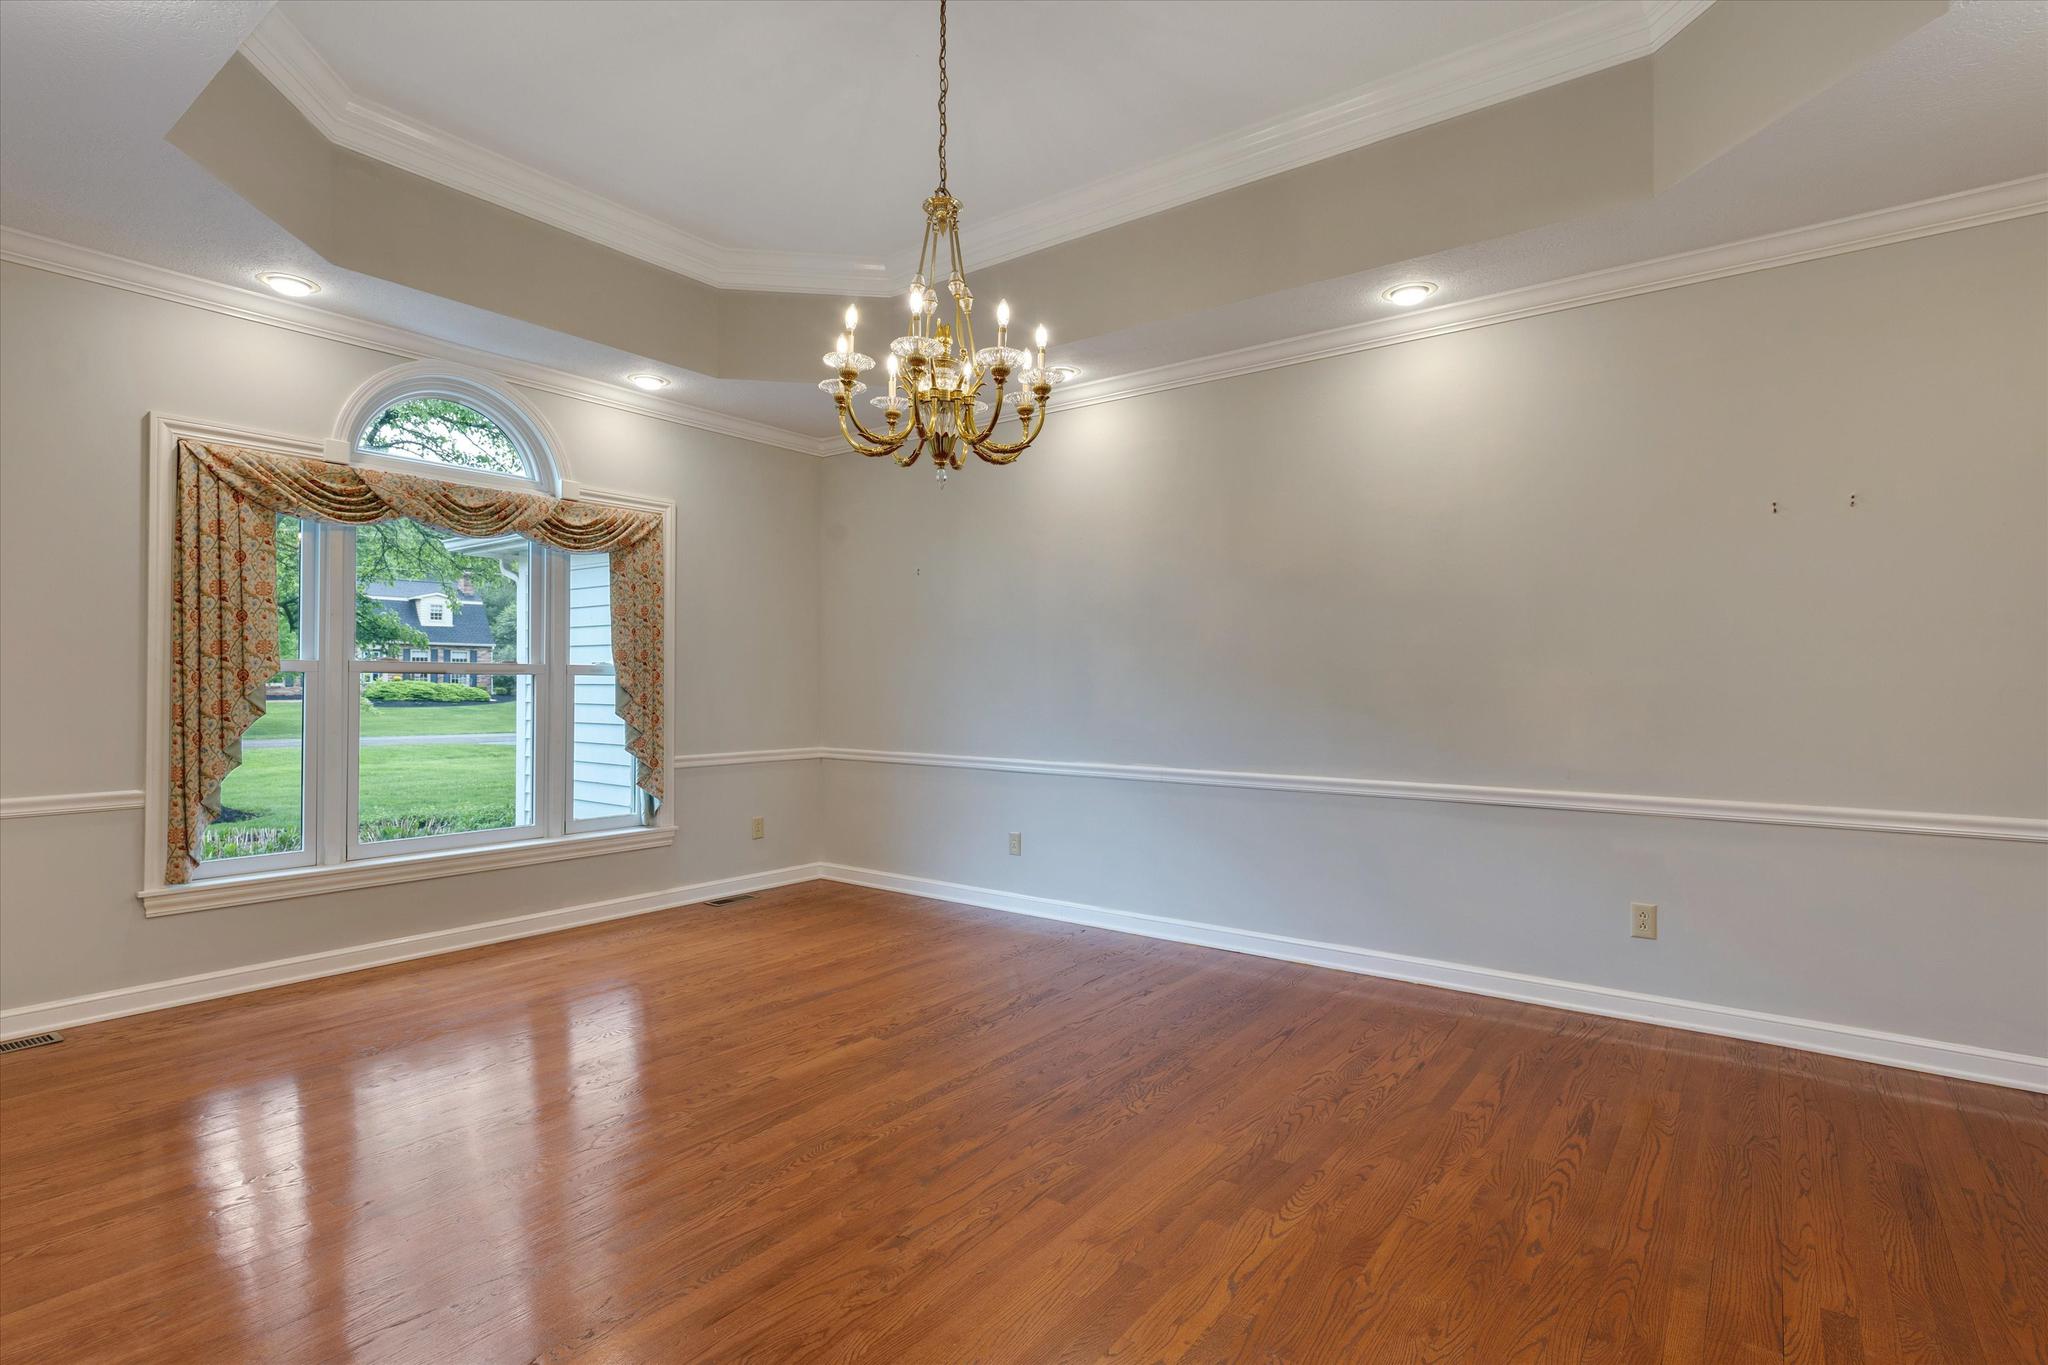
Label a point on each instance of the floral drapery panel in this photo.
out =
(224, 605)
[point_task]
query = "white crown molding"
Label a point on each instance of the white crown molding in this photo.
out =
(1926, 218)
(1565, 47)
(2013, 828)
(1562, 48)
(281, 53)
(186, 990)
(68, 803)
(1883, 227)
(99, 267)
(1989, 1065)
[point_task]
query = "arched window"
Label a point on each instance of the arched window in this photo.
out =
(444, 431)
(460, 426)
(437, 690)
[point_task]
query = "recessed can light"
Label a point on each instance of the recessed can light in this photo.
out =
(1409, 294)
(291, 286)
(650, 382)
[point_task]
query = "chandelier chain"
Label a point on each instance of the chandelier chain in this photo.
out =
(942, 94)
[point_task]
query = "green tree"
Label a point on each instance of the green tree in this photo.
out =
(442, 431)
(386, 552)
(446, 432)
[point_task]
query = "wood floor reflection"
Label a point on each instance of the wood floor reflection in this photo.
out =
(835, 1124)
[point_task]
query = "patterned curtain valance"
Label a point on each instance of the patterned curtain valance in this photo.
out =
(224, 606)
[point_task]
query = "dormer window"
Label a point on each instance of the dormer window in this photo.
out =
(434, 611)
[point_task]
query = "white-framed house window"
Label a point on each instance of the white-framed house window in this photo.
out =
(359, 772)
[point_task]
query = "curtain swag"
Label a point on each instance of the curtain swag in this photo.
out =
(224, 604)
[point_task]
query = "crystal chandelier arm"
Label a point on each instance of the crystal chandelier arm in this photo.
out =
(975, 438)
(873, 444)
(997, 453)
(906, 461)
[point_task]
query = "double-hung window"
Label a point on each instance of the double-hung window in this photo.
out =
(369, 747)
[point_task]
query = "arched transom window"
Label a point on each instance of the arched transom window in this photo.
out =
(459, 426)
(447, 432)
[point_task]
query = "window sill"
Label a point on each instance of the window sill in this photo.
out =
(257, 888)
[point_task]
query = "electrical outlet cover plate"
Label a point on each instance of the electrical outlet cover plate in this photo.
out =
(760, 827)
(1016, 845)
(1642, 920)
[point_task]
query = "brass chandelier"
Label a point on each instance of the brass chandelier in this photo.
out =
(936, 376)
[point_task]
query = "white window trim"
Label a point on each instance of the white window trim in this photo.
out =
(285, 883)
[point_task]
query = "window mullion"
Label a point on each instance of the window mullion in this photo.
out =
(556, 749)
(334, 762)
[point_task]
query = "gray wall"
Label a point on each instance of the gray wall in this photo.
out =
(80, 367)
(1537, 555)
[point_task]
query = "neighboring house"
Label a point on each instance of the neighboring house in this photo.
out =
(457, 628)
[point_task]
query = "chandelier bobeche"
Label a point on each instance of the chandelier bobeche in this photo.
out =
(936, 376)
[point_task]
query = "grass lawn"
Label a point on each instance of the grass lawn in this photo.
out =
(282, 719)
(404, 790)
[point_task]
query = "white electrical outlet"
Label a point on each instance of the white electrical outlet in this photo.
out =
(1642, 920)
(1016, 845)
(760, 827)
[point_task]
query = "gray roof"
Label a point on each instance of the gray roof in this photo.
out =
(471, 624)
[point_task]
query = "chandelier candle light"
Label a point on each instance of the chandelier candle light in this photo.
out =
(936, 376)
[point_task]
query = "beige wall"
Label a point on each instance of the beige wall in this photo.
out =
(1538, 555)
(81, 365)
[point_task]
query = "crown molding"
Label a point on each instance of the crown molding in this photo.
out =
(1949, 213)
(288, 61)
(1565, 47)
(118, 272)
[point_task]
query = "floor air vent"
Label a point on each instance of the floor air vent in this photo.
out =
(33, 1040)
(730, 900)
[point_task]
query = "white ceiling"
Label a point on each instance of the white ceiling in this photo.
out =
(809, 125)
(88, 89)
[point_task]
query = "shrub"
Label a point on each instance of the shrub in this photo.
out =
(411, 689)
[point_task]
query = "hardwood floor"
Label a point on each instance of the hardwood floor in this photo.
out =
(836, 1124)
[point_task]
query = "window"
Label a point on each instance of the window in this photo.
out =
(442, 430)
(369, 747)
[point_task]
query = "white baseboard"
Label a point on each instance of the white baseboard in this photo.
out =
(186, 990)
(2012, 1069)
(1962, 1060)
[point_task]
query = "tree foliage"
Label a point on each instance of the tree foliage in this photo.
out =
(386, 552)
(443, 431)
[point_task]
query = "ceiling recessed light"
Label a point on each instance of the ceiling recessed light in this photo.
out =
(649, 382)
(1409, 294)
(291, 286)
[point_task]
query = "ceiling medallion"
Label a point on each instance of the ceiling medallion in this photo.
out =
(936, 376)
